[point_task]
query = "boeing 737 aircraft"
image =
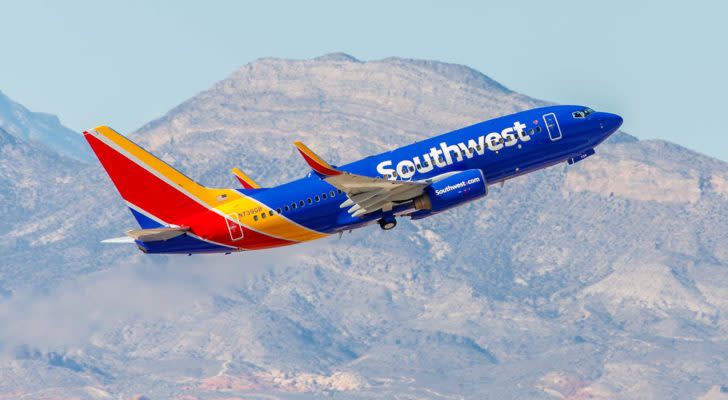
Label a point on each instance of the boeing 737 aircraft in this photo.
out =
(178, 215)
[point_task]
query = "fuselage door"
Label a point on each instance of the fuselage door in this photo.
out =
(552, 125)
(234, 227)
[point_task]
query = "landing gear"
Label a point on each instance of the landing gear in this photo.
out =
(387, 222)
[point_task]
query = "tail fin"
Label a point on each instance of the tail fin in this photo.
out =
(157, 194)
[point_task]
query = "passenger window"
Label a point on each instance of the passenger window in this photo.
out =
(294, 206)
(317, 198)
(301, 203)
(332, 193)
(538, 129)
(285, 208)
(262, 215)
(309, 200)
(323, 196)
(255, 217)
(530, 131)
(271, 212)
(339, 190)
(278, 210)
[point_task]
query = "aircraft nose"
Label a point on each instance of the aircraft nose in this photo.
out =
(610, 122)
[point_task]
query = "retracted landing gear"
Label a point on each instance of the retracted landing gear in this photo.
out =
(387, 222)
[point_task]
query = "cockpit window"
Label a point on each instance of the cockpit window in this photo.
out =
(583, 113)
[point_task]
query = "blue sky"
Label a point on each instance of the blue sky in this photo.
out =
(663, 67)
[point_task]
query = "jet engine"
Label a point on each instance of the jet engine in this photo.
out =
(451, 191)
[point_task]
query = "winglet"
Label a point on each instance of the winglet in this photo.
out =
(316, 163)
(245, 179)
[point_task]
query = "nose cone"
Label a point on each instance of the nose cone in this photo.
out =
(604, 124)
(610, 122)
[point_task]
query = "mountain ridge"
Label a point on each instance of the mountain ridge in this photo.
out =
(41, 128)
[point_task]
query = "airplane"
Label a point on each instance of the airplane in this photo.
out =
(177, 215)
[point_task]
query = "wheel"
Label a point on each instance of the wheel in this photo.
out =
(387, 223)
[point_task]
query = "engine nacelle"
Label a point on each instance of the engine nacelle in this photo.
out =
(449, 192)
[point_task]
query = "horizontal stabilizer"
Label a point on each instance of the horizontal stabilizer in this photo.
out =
(123, 239)
(156, 234)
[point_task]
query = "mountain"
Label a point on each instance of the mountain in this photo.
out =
(344, 108)
(53, 209)
(42, 129)
(602, 280)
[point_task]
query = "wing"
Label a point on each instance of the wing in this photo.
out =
(366, 194)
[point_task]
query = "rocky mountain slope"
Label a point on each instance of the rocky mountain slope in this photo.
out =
(602, 280)
(53, 209)
(44, 130)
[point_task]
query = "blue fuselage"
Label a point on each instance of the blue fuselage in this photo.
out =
(502, 148)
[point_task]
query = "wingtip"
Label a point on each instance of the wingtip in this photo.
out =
(244, 179)
(314, 161)
(302, 148)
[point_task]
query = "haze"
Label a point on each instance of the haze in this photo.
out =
(659, 65)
